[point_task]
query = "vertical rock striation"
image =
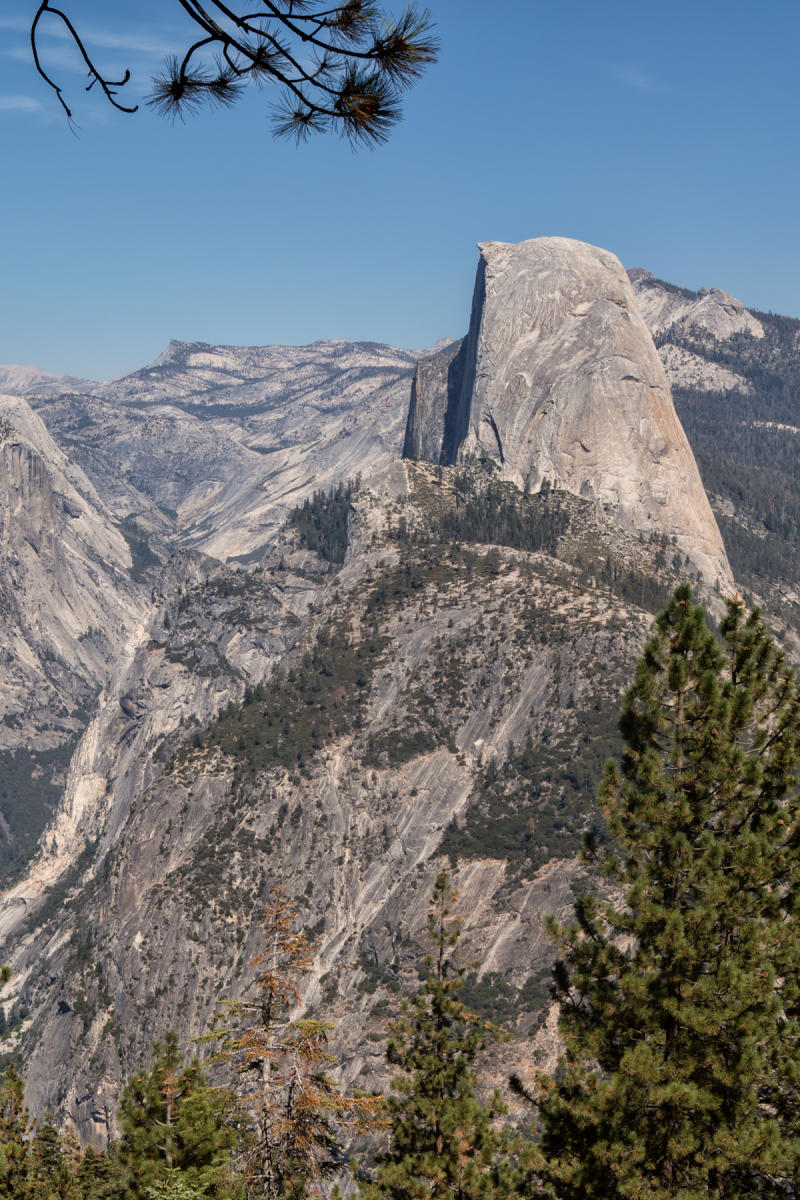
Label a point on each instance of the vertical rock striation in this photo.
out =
(66, 596)
(558, 382)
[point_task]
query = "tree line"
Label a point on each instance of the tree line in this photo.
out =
(678, 986)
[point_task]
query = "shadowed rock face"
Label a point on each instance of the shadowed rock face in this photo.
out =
(558, 382)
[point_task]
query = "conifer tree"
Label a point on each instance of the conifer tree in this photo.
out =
(100, 1176)
(174, 1186)
(444, 1144)
(49, 1175)
(71, 1149)
(172, 1120)
(679, 1001)
(293, 1115)
(15, 1132)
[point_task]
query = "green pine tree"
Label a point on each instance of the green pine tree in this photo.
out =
(444, 1143)
(15, 1132)
(100, 1177)
(174, 1186)
(678, 1000)
(170, 1119)
(49, 1173)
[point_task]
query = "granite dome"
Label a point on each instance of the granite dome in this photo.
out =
(558, 381)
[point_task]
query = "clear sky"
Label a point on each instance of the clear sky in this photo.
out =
(665, 131)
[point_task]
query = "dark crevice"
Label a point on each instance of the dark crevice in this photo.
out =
(488, 417)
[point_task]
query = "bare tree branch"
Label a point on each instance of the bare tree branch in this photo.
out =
(108, 86)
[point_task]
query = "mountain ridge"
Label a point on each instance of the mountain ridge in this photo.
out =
(441, 686)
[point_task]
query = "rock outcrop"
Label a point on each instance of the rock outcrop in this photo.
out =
(558, 382)
(713, 311)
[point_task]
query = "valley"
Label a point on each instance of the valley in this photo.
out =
(244, 676)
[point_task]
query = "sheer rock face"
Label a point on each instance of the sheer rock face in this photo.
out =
(66, 596)
(558, 382)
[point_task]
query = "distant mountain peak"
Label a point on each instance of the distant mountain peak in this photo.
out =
(639, 274)
(708, 311)
(18, 380)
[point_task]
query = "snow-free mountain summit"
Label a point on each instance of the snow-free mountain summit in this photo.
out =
(559, 383)
(438, 688)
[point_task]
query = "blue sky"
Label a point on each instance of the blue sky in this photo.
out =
(666, 132)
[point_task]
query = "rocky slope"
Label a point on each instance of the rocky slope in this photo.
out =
(713, 312)
(438, 686)
(208, 448)
(437, 698)
(67, 601)
(211, 445)
(559, 383)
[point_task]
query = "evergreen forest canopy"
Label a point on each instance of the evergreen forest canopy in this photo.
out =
(321, 521)
(679, 1000)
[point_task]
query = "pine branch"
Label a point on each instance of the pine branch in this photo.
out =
(340, 69)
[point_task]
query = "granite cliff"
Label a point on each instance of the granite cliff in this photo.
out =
(67, 602)
(68, 598)
(558, 382)
(346, 724)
